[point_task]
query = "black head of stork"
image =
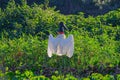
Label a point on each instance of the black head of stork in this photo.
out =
(62, 28)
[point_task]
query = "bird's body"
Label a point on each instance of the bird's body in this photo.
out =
(61, 45)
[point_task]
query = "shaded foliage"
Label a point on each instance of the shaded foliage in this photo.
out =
(89, 7)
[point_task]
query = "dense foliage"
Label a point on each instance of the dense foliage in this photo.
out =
(90, 7)
(24, 34)
(82, 2)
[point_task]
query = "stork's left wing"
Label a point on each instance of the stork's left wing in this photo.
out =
(52, 44)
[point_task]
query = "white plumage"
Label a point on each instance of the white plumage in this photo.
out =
(61, 45)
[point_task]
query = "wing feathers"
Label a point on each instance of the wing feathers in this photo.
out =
(70, 45)
(61, 46)
(51, 45)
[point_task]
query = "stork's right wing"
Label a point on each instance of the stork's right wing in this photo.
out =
(66, 46)
(70, 46)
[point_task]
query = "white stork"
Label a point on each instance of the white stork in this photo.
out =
(61, 45)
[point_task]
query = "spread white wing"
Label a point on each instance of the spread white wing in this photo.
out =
(61, 46)
(69, 45)
(51, 45)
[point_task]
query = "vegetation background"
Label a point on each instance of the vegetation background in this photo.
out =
(89, 7)
(25, 27)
